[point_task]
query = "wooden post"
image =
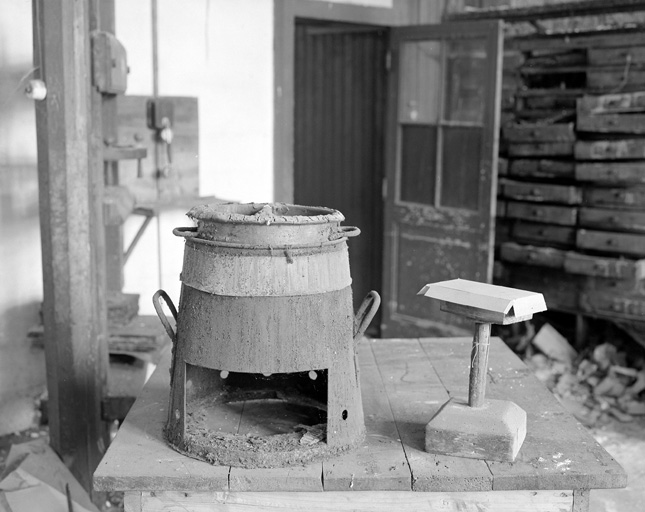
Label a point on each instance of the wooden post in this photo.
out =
(105, 118)
(479, 365)
(70, 188)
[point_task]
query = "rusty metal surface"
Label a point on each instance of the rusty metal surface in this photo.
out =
(233, 272)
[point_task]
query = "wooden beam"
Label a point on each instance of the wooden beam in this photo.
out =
(550, 11)
(70, 184)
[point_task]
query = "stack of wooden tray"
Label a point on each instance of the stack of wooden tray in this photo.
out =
(572, 174)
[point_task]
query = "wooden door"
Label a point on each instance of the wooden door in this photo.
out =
(441, 153)
(339, 116)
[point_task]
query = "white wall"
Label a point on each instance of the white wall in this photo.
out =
(220, 51)
(22, 369)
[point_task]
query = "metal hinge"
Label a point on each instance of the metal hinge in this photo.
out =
(388, 60)
(384, 189)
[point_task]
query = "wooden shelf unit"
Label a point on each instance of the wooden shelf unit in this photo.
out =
(571, 195)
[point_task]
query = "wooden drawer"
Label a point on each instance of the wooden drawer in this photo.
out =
(620, 220)
(544, 234)
(633, 197)
(542, 193)
(627, 287)
(625, 149)
(546, 149)
(611, 172)
(539, 132)
(611, 103)
(560, 215)
(531, 255)
(614, 305)
(616, 243)
(612, 113)
(543, 168)
(560, 290)
(612, 123)
(600, 266)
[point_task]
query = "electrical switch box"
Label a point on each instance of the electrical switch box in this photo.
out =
(109, 64)
(160, 113)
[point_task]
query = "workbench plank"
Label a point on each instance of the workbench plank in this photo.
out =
(139, 457)
(415, 393)
(294, 478)
(414, 374)
(384, 501)
(558, 452)
(380, 462)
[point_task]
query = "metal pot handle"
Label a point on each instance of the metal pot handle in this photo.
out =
(366, 312)
(185, 232)
(345, 232)
(160, 313)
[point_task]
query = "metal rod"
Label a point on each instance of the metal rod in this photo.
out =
(136, 238)
(155, 94)
(155, 48)
(479, 365)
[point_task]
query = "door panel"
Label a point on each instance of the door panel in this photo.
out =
(339, 116)
(441, 150)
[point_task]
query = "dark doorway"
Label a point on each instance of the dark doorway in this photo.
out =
(340, 75)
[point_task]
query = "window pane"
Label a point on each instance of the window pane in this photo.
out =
(420, 79)
(465, 80)
(460, 177)
(418, 160)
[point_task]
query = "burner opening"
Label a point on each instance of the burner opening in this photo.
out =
(290, 407)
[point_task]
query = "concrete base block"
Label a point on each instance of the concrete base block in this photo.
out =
(495, 431)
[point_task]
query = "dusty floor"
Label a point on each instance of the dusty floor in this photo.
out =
(626, 443)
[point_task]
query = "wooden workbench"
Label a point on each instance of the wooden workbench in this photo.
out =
(403, 383)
